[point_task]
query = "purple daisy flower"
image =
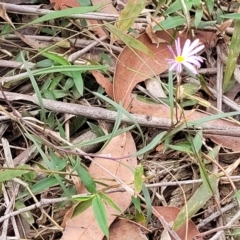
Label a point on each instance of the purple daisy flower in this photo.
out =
(186, 56)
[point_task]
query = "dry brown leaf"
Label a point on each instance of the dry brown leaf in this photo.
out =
(127, 229)
(226, 141)
(85, 226)
(131, 70)
(170, 214)
(104, 82)
(62, 4)
(4, 15)
(107, 6)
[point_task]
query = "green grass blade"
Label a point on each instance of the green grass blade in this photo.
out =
(148, 202)
(9, 174)
(128, 40)
(196, 202)
(130, 12)
(36, 89)
(121, 109)
(65, 13)
(115, 127)
(152, 144)
(233, 54)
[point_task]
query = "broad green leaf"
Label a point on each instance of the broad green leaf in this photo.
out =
(81, 207)
(138, 179)
(210, 5)
(65, 13)
(137, 203)
(44, 63)
(9, 174)
(59, 163)
(196, 202)
(231, 16)
(169, 23)
(80, 198)
(176, 6)
(48, 94)
(96, 129)
(182, 147)
(110, 202)
(197, 141)
(100, 214)
(78, 81)
(68, 84)
(128, 40)
(40, 186)
(152, 144)
(233, 55)
(84, 176)
(27, 216)
(59, 93)
(198, 17)
(55, 57)
(188, 89)
(140, 218)
(54, 82)
(129, 14)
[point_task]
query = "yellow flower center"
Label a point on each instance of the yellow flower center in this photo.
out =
(180, 59)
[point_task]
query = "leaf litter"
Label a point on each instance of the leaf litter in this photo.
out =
(67, 193)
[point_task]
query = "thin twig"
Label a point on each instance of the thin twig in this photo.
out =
(103, 114)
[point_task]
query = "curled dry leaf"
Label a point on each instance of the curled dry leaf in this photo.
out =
(104, 82)
(169, 214)
(4, 15)
(127, 229)
(84, 226)
(134, 68)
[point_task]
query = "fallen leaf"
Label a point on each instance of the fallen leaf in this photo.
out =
(104, 82)
(84, 226)
(107, 6)
(4, 15)
(62, 4)
(132, 69)
(170, 214)
(127, 229)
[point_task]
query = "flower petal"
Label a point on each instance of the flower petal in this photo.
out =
(190, 67)
(193, 45)
(171, 50)
(178, 46)
(186, 46)
(173, 66)
(194, 60)
(196, 50)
